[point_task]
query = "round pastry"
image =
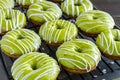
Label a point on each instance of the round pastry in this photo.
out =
(57, 1)
(11, 19)
(44, 11)
(35, 66)
(78, 56)
(58, 31)
(109, 43)
(6, 4)
(74, 8)
(27, 3)
(92, 23)
(20, 41)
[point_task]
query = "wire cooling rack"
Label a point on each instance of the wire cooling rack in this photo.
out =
(106, 70)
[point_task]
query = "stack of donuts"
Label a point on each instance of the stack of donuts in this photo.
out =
(75, 55)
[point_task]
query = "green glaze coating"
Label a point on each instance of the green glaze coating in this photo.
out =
(44, 11)
(27, 2)
(20, 41)
(109, 42)
(94, 22)
(74, 8)
(79, 54)
(35, 66)
(6, 4)
(58, 31)
(11, 19)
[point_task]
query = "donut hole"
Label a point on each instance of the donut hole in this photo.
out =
(34, 67)
(117, 40)
(59, 27)
(77, 4)
(20, 37)
(8, 18)
(44, 9)
(78, 50)
(94, 17)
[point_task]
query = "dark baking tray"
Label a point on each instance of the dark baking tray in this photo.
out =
(107, 69)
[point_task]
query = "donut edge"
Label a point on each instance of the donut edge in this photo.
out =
(79, 71)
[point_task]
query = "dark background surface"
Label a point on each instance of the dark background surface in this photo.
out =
(107, 69)
(110, 6)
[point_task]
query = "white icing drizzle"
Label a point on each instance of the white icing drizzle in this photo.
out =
(87, 23)
(17, 20)
(51, 34)
(27, 2)
(52, 11)
(6, 4)
(69, 7)
(50, 66)
(8, 47)
(77, 59)
(9, 41)
(107, 41)
(30, 42)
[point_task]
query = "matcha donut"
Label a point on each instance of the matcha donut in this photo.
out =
(92, 23)
(11, 19)
(78, 56)
(58, 31)
(6, 4)
(109, 43)
(35, 66)
(20, 41)
(74, 8)
(27, 3)
(43, 11)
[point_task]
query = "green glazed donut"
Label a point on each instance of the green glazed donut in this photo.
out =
(6, 4)
(58, 31)
(109, 43)
(11, 19)
(74, 8)
(92, 23)
(78, 56)
(20, 41)
(44, 11)
(35, 66)
(27, 3)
